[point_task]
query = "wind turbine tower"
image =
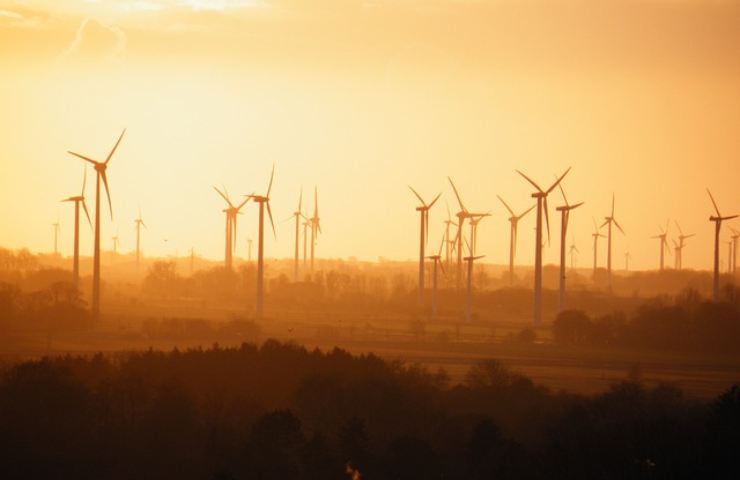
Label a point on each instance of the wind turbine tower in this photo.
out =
(718, 219)
(564, 217)
(423, 210)
(263, 201)
(100, 169)
(541, 197)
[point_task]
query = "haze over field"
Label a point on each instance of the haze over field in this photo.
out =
(361, 98)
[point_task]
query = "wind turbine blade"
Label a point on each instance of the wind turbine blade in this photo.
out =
(679, 227)
(435, 200)
(562, 192)
(107, 192)
(300, 201)
(269, 214)
(110, 155)
(87, 214)
(507, 206)
(272, 176)
(603, 224)
(223, 195)
(596, 227)
(573, 207)
(557, 182)
(547, 220)
(688, 236)
(468, 245)
(246, 199)
(618, 226)
(442, 267)
(441, 244)
(417, 195)
(526, 212)
(316, 202)
(449, 217)
(530, 181)
(84, 181)
(714, 203)
(457, 195)
(83, 157)
(612, 204)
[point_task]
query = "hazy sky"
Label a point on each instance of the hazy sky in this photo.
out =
(362, 98)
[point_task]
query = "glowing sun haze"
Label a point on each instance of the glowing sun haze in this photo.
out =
(362, 98)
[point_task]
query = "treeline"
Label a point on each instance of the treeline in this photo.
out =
(280, 411)
(689, 323)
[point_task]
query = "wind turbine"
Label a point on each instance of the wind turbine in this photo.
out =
(139, 223)
(55, 226)
(680, 245)
(469, 292)
(596, 235)
(461, 216)
(231, 212)
(663, 243)
(115, 243)
(609, 221)
(564, 217)
(78, 200)
(262, 201)
(448, 223)
(717, 227)
(474, 221)
(315, 223)
(572, 251)
(437, 259)
(734, 238)
(100, 169)
(627, 256)
(514, 221)
(298, 214)
(423, 210)
(541, 197)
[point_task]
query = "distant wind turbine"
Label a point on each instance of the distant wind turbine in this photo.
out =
(717, 227)
(448, 223)
(461, 216)
(469, 291)
(298, 214)
(423, 210)
(78, 200)
(55, 226)
(231, 212)
(437, 259)
(263, 201)
(315, 224)
(679, 246)
(564, 217)
(541, 197)
(100, 169)
(572, 251)
(139, 223)
(735, 237)
(115, 243)
(627, 256)
(663, 243)
(596, 235)
(514, 221)
(609, 221)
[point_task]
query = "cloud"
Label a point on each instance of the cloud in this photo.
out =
(10, 14)
(94, 42)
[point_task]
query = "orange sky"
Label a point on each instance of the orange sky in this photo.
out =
(363, 98)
